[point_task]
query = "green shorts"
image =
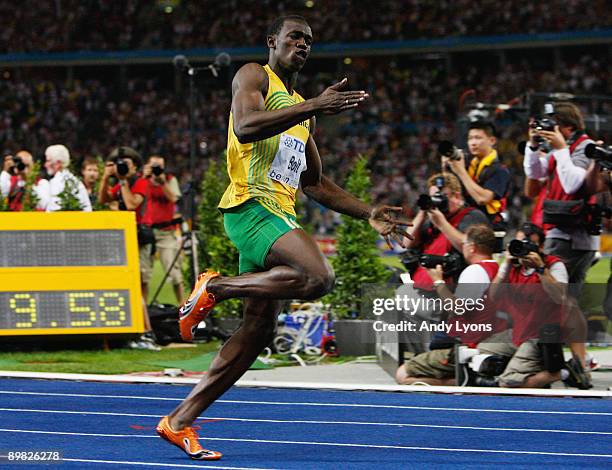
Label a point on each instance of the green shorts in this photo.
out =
(253, 228)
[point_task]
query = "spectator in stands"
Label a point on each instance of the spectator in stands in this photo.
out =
(131, 192)
(16, 171)
(90, 175)
(437, 367)
(63, 185)
(485, 180)
(163, 194)
(566, 168)
(532, 289)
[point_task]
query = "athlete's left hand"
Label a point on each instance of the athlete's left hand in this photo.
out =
(387, 221)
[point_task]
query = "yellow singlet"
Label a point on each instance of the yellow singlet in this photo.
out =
(268, 170)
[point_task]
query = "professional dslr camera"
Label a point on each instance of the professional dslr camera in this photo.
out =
(451, 263)
(542, 124)
(122, 167)
(521, 248)
(18, 166)
(437, 201)
(448, 149)
(600, 153)
(157, 170)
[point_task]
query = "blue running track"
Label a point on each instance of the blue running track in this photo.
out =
(112, 426)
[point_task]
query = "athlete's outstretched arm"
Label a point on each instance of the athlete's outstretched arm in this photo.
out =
(383, 219)
(252, 122)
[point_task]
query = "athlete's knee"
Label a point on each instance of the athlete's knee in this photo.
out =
(319, 284)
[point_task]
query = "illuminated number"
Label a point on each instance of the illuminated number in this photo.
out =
(24, 303)
(112, 303)
(89, 314)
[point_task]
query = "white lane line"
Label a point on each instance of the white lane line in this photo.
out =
(332, 444)
(157, 464)
(283, 421)
(350, 405)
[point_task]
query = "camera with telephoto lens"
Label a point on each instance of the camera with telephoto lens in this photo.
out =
(521, 248)
(448, 149)
(451, 263)
(602, 154)
(437, 201)
(122, 167)
(18, 166)
(157, 170)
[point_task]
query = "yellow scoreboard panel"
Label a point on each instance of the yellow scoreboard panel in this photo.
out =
(69, 273)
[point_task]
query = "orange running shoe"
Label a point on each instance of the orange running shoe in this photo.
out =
(197, 306)
(187, 440)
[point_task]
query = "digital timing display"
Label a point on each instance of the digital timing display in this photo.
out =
(69, 273)
(62, 248)
(65, 309)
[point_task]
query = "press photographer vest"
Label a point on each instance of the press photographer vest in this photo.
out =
(16, 193)
(439, 245)
(528, 304)
(475, 316)
(159, 209)
(479, 171)
(554, 191)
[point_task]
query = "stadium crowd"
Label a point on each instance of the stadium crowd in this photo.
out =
(66, 25)
(400, 125)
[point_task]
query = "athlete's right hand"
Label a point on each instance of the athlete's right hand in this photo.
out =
(334, 101)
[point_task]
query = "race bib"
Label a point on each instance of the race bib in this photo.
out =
(289, 161)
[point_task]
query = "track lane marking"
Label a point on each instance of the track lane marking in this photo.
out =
(282, 421)
(340, 405)
(332, 444)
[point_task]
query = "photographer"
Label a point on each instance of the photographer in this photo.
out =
(131, 192)
(531, 287)
(16, 172)
(437, 367)
(566, 201)
(485, 180)
(164, 192)
(438, 233)
(63, 184)
(440, 223)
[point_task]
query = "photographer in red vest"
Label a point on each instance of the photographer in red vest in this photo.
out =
(568, 234)
(160, 210)
(531, 287)
(13, 180)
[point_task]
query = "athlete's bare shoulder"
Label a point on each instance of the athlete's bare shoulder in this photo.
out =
(250, 77)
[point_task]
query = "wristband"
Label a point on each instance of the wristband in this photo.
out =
(439, 282)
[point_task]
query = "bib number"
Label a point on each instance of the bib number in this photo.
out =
(289, 161)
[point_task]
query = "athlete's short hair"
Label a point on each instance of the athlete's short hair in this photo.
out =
(275, 27)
